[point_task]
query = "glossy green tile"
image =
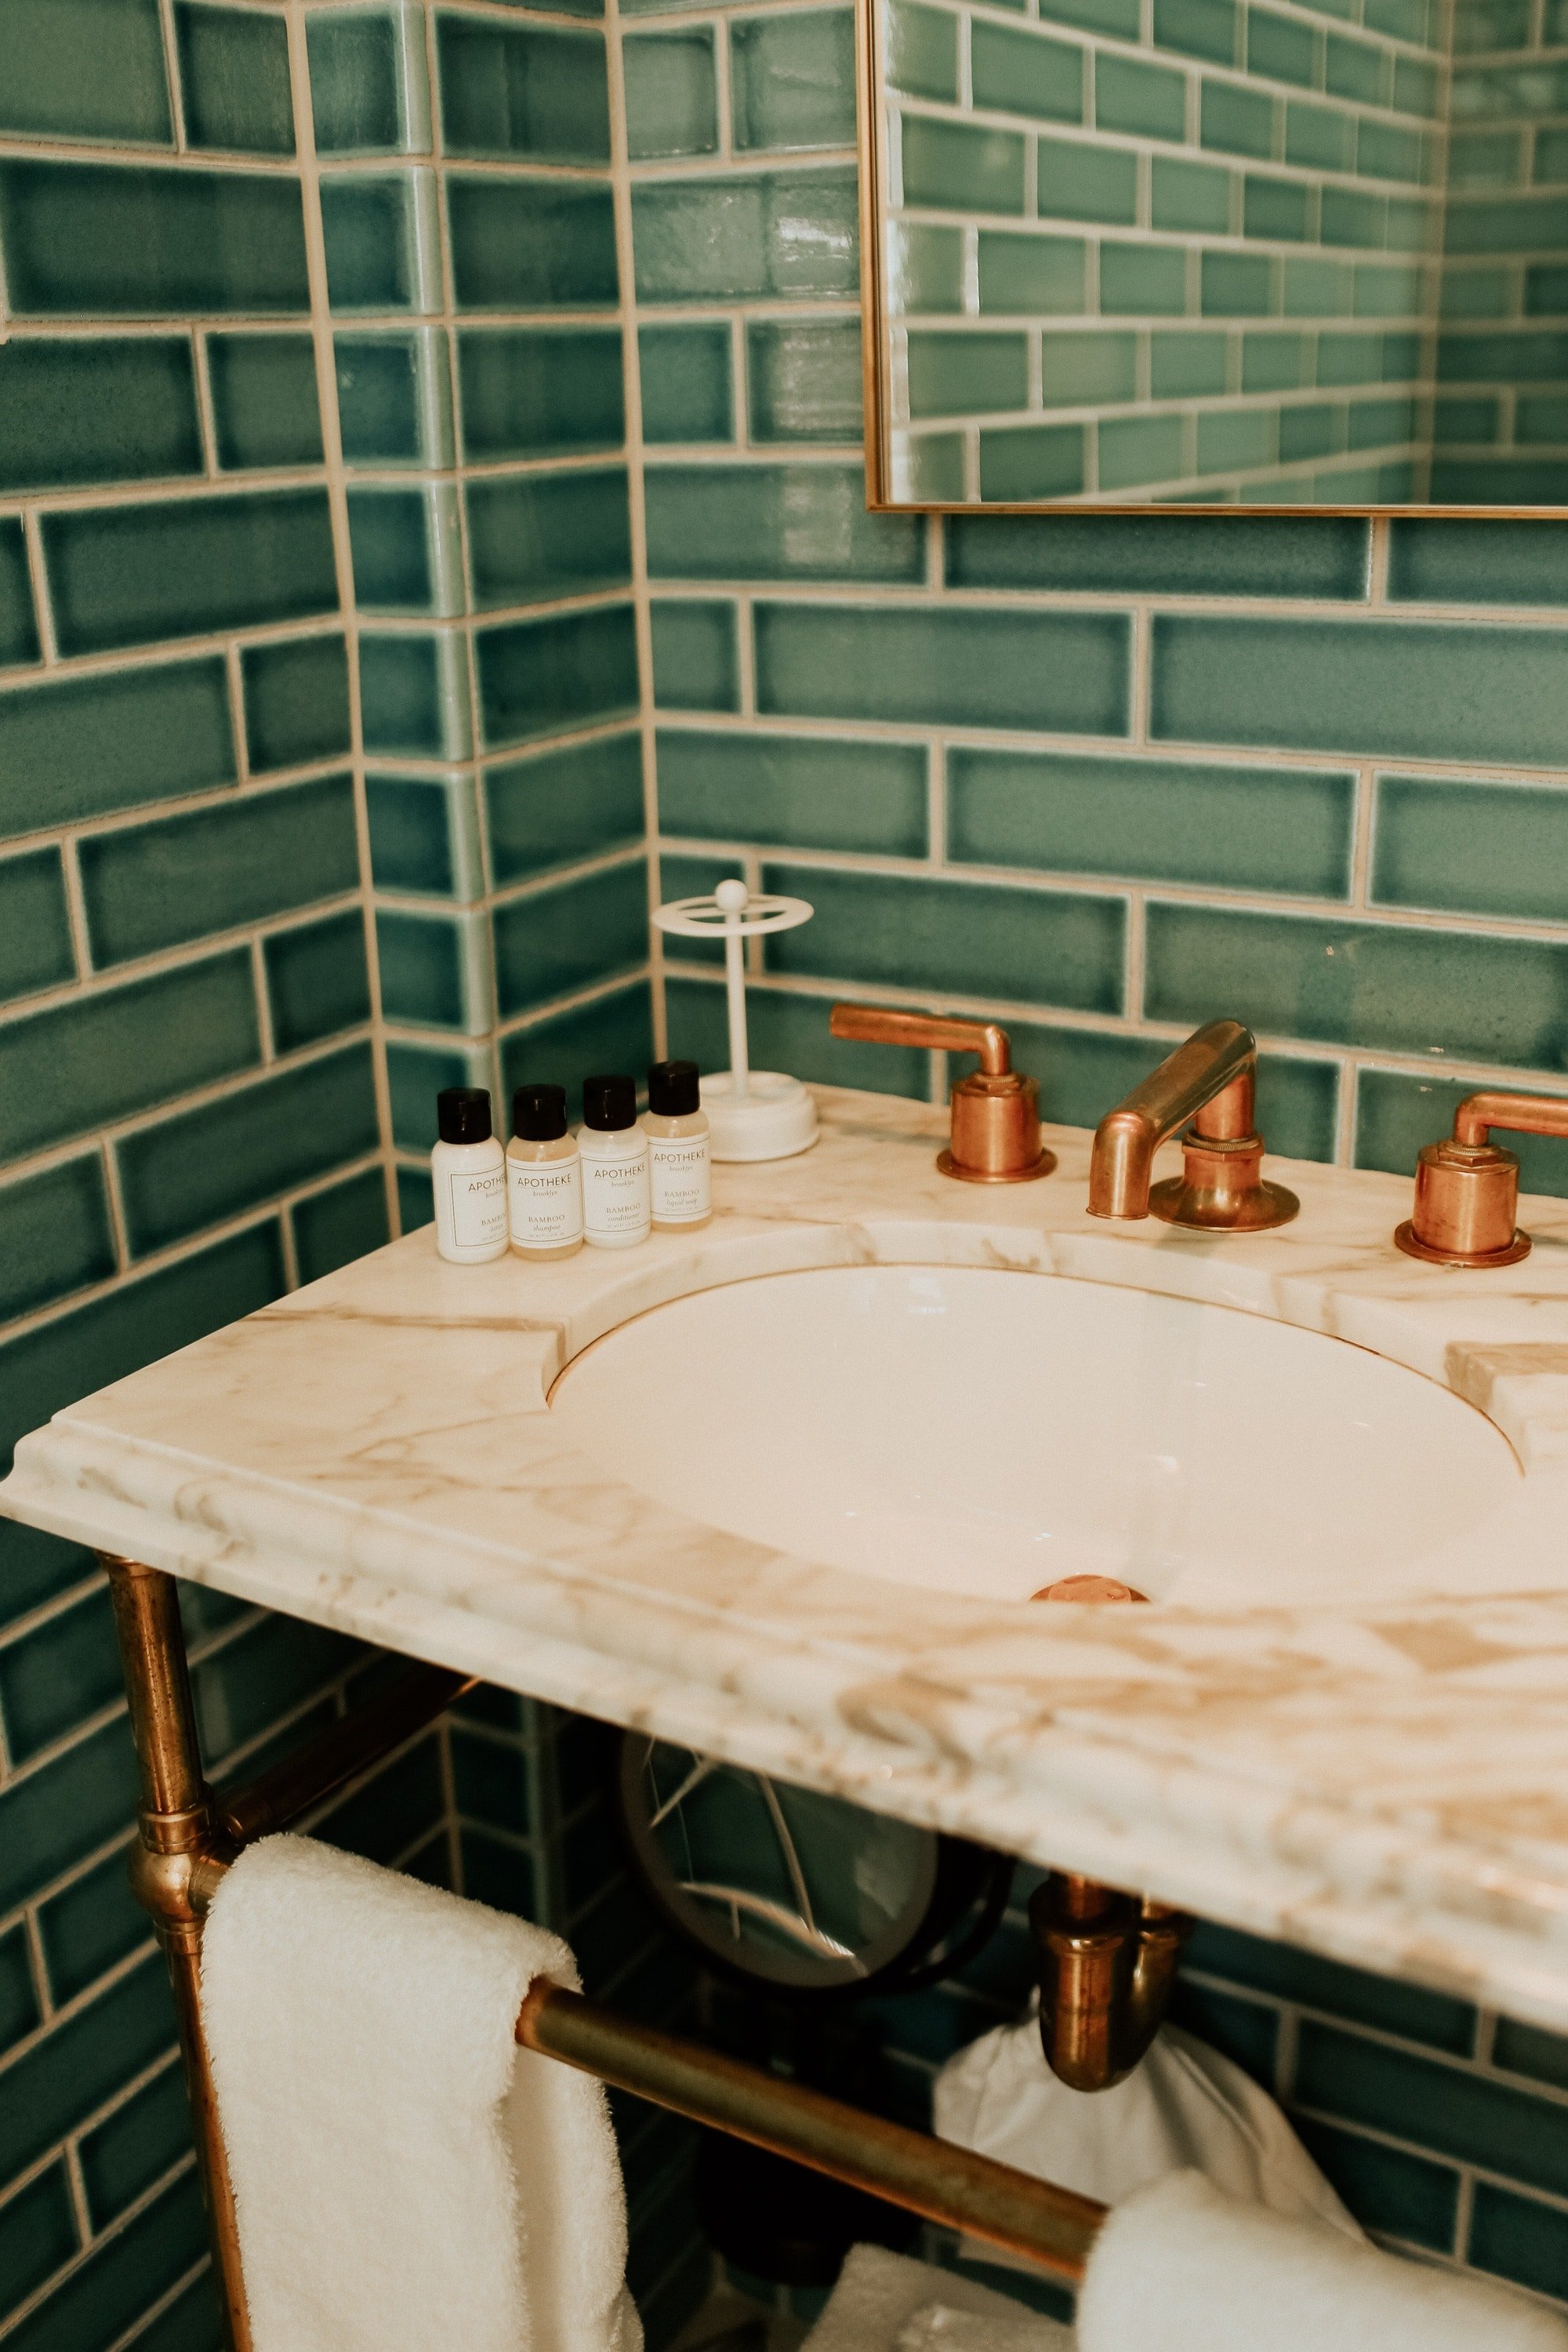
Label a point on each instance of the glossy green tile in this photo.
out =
(265, 408)
(928, 264)
(88, 1795)
(967, 375)
(317, 979)
(1350, 217)
(803, 380)
(1387, 152)
(773, 522)
(1280, 48)
(1143, 279)
(63, 2077)
(1237, 121)
(538, 392)
(531, 244)
(921, 50)
(1035, 275)
(1477, 562)
(295, 701)
(795, 792)
(536, 677)
(386, 384)
(38, 2235)
(54, 1235)
(1348, 359)
(1476, 849)
(1519, 2239)
(100, 1057)
(538, 536)
(110, 410)
(204, 1165)
(685, 379)
(126, 576)
(1031, 461)
(1026, 72)
(1199, 28)
(557, 806)
(557, 940)
(1192, 196)
(19, 2009)
(789, 1033)
(524, 90)
(234, 78)
(934, 665)
(1396, 1115)
(672, 101)
(766, 234)
(371, 231)
(1289, 829)
(1147, 100)
(156, 886)
(424, 970)
(126, 2273)
(1092, 367)
(1281, 209)
(44, 91)
(792, 79)
(415, 822)
(1308, 1980)
(1181, 364)
(83, 748)
(1537, 419)
(414, 695)
(1081, 182)
(1358, 69)
(35, 950)
(1310, 432)
(36, 1568)
(1234, 285)
(136, 2146)
(875, 930)
(960, 167)
(1140, 451)
(404, 1803)
(274, 1664)
(1236, 440)
(1433, 691)
(1530, 2049)
(1388, 2190)
(1442, 2108)
(113, 241)
(357, 96)
(1193, 555)
(397, 541)
(18, 630)
(1354, 983)
(696, 665)
(1274, 363)
(414, 1075)
(342, 1222)
(413, 1203)
(1246, 2031)
(1469, 420)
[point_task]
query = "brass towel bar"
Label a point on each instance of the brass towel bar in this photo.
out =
(189, 1834)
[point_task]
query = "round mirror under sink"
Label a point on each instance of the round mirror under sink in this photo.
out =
(987, 1432)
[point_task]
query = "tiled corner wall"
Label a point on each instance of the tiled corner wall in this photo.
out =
(1264, 176)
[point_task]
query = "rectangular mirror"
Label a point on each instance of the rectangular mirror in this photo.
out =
(1229, 254)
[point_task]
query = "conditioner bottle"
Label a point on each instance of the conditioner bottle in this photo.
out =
(615, 1164)
(545, 1175)
(680, 1171)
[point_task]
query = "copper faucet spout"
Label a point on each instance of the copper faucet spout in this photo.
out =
(1208, 1080)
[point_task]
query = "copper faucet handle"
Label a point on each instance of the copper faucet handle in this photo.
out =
(995, 1136)
(1205, 1084)
(1466, 1187)
(885, 1024)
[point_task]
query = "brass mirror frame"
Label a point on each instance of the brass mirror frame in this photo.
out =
(876, 360)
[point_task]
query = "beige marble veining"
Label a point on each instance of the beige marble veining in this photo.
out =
(1384, 1780)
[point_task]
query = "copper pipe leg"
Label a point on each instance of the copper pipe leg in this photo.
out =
(166, 1869)
(1107, 1963)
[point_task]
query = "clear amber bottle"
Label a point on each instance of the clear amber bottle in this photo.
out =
(679, 1164)
(544, 1176)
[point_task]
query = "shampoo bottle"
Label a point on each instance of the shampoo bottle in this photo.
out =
(544, 1176)
(467, 1173)
(615, 1164)
(680, 1178)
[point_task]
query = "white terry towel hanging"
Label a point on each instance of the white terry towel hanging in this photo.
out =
(1185, 2268)
(405, 2178)
(1186, 2105)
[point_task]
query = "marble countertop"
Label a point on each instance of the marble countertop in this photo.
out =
(1382, 1779)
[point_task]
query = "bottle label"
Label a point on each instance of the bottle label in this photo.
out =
(479, 1207)
(680, 1178)
(545, 1199)
(615, 1198)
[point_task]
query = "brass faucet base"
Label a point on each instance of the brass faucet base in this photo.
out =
(1040, 1167)
(1202, 1209)
(1406, 1238)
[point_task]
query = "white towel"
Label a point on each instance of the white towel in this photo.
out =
(1184, 2268)
(405, 2178)
(886, 2303)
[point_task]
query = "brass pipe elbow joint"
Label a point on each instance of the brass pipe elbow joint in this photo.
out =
(996, 1132)
(1208, 1084)
(1107, 1962)
(1466, 1187)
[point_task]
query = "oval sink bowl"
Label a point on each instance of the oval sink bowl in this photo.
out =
(986, 1433)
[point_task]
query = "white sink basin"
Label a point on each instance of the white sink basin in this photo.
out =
(986, 1433)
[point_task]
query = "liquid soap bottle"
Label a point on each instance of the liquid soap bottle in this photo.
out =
(679, 1169)
(614, 1148)
(545, 1175)
(468, 1175)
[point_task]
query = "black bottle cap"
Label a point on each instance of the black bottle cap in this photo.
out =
(463, 1114)
(673, 1091)
(539, 1113)
(609, 1103)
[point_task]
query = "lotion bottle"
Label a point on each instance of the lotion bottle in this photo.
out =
(545, 1175)
(614, 1148)
(467, 1174)
(681, 1176)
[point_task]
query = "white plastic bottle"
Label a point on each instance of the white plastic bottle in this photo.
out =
(543, 1175)
(467, 1173)
(614, 1148)
(679, 1169)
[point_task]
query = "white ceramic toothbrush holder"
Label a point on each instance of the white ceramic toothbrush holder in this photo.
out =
(752, 1114)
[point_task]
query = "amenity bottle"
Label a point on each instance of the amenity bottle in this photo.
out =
(680, 1168)
(545, 1175)
(613, 1150)
(468, 1175)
